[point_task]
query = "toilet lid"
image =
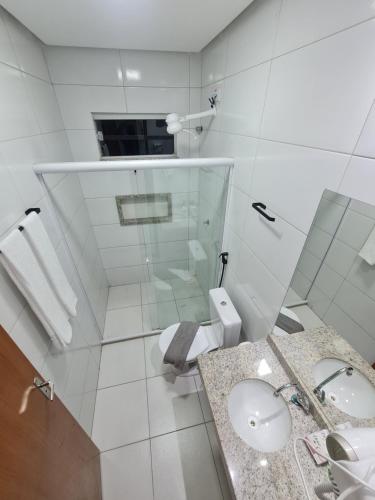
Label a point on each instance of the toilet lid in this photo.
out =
(200, 343)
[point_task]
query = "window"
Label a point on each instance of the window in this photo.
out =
(134, 136)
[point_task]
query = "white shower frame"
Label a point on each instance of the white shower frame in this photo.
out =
(127, 165)
(123, 165)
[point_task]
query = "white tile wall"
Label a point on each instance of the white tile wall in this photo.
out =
(44, 104)
(27, 48)
(251, 37)
(365, 145)
(283, 118)
(114, 235)
(91, 81)
(243, 101)
(102, 184)
(337, 283)
(71, 65)
(312, 98)
(359, 179)
(32, 130)
(348, 328)
(127, 275)
(18, 156)
(83, 145)
(78, 102)
(303, 22)
(299, 174)
(214, 59)
(7, 54)
(325, 224)
(157, 100)
(274, 243)
(102, 211)
(292, 132)
(126, 251)
(16, 115)
(195, 70)
(123, 256)
(155, 69)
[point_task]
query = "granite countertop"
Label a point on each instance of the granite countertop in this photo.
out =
(299, 352)
(254, 474)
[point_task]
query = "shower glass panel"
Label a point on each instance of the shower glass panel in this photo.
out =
(159, 230)
(182, 254)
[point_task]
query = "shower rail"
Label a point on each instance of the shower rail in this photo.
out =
(112, 165)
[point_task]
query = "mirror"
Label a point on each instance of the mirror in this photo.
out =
(334, 281)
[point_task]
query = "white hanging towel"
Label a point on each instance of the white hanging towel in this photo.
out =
(367, 252)
(24, 269)
(44, 251)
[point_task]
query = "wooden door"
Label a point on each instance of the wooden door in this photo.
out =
(44, 453)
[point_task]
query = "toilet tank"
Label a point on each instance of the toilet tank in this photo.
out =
(224, 317)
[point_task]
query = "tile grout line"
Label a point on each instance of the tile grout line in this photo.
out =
(290, 51)
(140, 380)
(148, 417)
(153, 437)
(199, 399)
(213, 458)
(152, 469)
(64, 84)
(268, 139)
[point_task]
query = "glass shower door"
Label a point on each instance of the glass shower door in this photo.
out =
(181, 253)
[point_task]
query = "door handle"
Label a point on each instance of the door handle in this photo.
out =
(46, 388)
(258, 207)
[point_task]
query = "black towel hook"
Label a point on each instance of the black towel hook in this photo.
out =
(35, 209)
(258, 207)
(27, 212)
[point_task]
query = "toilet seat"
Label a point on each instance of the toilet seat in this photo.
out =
(205, 341)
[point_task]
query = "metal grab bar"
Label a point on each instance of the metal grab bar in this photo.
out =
(258, 207)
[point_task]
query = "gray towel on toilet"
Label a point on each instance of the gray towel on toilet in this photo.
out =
(289, 325)
(180, 345)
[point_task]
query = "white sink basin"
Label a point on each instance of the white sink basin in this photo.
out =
(262, 420)
(354, 394)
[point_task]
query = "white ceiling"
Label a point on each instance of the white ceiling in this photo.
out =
(176, 25)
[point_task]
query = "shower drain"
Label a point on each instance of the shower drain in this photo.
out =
(252, 422)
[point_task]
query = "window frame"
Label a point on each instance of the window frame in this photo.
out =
(132, 116)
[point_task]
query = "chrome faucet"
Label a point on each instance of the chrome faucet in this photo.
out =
(299, 398)
(318, 391)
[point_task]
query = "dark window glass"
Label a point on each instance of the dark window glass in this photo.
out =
(134, 137)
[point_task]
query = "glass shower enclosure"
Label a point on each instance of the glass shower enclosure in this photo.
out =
(153, 233)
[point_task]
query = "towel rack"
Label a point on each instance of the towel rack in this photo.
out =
(35, 209)
(27, 212)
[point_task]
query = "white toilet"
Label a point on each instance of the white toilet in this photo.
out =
(224, 330)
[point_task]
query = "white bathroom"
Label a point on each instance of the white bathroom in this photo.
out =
(187, 250)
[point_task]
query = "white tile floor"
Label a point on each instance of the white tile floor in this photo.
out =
(143, 307)
(154, 429)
